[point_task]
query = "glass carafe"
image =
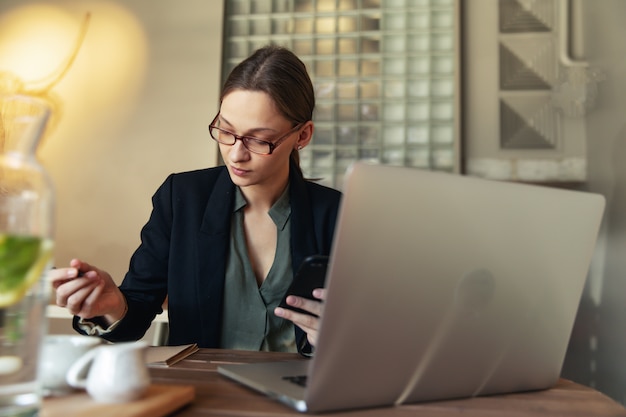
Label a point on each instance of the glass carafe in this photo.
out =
(26, 241)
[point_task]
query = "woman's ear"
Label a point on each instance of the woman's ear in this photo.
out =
(306, 134)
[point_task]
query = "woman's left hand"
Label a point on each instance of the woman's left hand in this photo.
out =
(307, 322)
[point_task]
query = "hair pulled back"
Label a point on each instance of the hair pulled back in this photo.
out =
(279, 73)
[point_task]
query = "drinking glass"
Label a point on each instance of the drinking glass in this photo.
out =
(26, 229)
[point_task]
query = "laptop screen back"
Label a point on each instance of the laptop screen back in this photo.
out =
(444, 286)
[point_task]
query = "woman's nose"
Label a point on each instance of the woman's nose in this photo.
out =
(238, 152)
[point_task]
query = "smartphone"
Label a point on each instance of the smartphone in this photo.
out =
(310, 275)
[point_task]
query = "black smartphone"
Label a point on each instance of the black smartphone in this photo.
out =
(310, 275)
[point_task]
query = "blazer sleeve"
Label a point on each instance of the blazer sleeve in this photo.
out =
(145, 284)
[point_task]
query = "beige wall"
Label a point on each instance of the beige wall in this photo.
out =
(134, 108)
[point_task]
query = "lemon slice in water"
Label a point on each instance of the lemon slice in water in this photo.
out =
(22, 261)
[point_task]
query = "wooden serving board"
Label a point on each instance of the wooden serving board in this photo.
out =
(158, 401)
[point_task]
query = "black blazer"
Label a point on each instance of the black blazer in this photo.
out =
(184, 247)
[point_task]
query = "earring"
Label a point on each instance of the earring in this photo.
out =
(299, 147)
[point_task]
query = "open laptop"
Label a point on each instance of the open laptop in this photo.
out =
(441, 286)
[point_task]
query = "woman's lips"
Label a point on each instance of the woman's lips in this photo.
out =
(238, 171)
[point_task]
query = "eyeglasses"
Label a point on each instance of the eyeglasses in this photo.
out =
(254, 145)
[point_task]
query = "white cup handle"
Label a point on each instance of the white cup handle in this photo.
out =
(77, 374)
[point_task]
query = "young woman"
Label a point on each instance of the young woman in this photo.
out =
(223, 243)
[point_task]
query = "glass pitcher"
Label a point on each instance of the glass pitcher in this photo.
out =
(26, 242)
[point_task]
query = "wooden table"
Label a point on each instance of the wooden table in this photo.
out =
(216, 395)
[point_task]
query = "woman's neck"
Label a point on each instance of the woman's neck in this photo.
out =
(263, 196)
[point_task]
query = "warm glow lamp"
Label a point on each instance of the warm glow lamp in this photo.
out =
(87, 62)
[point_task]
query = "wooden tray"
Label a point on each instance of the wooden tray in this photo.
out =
(159, 400)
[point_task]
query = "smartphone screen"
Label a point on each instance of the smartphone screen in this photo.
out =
(310, 275)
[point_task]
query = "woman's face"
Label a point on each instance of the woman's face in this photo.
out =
(253, 113)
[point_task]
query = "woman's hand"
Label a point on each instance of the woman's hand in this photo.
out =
(87, 291)
(308, 323)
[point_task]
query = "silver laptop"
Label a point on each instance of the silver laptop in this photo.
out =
(441, 286)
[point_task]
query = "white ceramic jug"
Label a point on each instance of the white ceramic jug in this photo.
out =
(115, 373)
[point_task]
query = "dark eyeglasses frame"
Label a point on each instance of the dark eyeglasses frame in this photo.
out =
(244, 139)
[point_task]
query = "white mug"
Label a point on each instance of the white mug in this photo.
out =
(115, 373)
(58, 353)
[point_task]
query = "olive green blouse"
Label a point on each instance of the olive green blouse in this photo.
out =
(249, 322)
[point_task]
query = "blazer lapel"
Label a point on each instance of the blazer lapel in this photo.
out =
(212, 246)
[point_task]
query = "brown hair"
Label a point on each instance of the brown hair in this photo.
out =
(279, 73)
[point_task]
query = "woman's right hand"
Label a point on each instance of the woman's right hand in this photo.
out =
(87, 291)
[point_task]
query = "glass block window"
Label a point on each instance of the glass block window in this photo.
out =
(384, 71)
